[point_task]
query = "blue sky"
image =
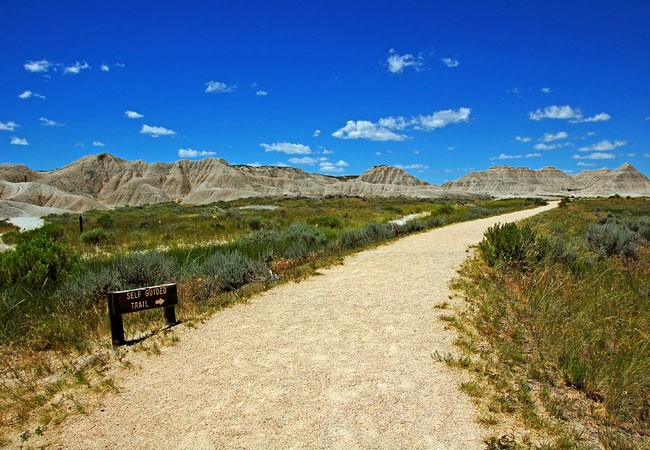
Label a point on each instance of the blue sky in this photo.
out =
(335, 87)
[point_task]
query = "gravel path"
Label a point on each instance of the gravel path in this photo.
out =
(340, 360)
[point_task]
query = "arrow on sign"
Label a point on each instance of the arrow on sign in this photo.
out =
(160, 301)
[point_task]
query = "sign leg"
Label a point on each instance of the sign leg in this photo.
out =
(117, 329)
(170, 315)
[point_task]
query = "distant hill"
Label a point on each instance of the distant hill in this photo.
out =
(105, 181)
(508, 181)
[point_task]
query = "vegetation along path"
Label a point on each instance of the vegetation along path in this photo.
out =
(340, 360)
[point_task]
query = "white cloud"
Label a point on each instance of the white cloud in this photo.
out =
(19, 141)
(584, 164)
(307, 160)
(49, 123)
(327, 152)
(394, 123)
(333, 167)
(105, 68)
(546, 90)
(412, 167)
(549, 137)
(133, 115)
(449, 62)
(218, 87)
(120, 65)
(647, 118)
(8, 126)
(316, 133)
(503, 156)
(566, 112)
(98, 144)
(261, 93)
(597, 155)
(29, 94)
(603, 145)
(441, 119)
(76, 68)
(602, 117)
(156, 131)
(523, 138)
(397, 63)
(190, 153)
(363, 129)
(556, 112)
(40, 66)
(288, 148)
(382, 131)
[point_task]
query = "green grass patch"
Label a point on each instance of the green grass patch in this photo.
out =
(563, 302)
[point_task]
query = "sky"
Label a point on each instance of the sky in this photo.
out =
(437, 88)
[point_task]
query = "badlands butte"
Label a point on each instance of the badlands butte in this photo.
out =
(105, 181)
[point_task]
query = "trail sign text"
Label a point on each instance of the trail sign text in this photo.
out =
(122, 302)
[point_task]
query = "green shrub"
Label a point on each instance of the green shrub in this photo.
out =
(256, 222)
(36, 263)
(326, 221)
(105, 221)
(511, 245)
(97, 236)
(140, 270)
(376, 232)
(612, 238)
(302, 239)
(350, 239)
(224, 271)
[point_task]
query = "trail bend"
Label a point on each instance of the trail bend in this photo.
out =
(340, 360)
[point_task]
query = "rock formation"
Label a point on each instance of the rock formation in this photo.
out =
(105, 181)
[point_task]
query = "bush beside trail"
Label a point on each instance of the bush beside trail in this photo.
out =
(561, 302)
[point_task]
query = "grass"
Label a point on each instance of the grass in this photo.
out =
(566, 328)
(53, 285)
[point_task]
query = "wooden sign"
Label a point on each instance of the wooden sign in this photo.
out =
(134, 300)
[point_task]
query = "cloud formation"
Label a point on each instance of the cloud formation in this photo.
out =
(133, 115)
(383, 129)
(105, 68)
(49, 123)
(288, 148)
(450, 62)
(397, 63)
(333, 167)
(596, 155)
(316, 133)
(523, 138)
(504, 156)
(364, 129)
(76, 68)
(549, 137)
(261, 93)
(98, 144)
(412, 167)
(156, 131)
(566, 112)
(40, 66)
(546, 90)
(603, 145)
(190, 153)
(441, 119)
(8, 126)
(18, 141)
(29, 94)
(217, 87)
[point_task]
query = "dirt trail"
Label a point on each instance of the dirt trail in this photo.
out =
(340, 360)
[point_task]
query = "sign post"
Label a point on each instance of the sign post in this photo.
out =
(134, 300)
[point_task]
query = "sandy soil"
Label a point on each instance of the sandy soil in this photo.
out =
(340, 360)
